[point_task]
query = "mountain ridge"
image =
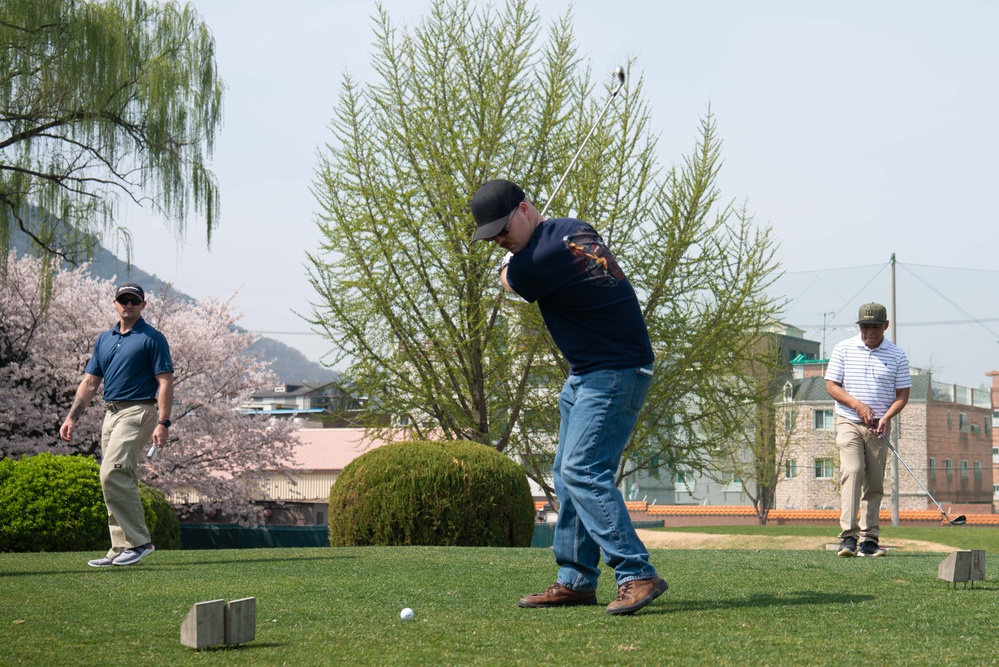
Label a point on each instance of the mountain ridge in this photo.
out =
(289, 364)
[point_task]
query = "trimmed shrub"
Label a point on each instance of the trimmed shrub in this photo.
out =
(432, 493)
(161, 520)
(55, 503)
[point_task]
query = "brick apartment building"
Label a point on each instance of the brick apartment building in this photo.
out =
(945, 436)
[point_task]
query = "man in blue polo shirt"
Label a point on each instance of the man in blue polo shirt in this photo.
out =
(868, 377)
(595, 319)
(133, 361)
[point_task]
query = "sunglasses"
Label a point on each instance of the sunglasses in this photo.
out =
(129, 300)
(506, 229)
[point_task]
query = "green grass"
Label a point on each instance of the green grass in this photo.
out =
(958, 537)
(341, 606)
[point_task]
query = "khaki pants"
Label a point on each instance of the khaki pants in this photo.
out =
(862, 460)
(122, 439)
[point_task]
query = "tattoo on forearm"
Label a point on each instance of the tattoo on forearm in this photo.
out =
(77, 409)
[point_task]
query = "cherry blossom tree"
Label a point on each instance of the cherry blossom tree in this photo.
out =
(46, 337)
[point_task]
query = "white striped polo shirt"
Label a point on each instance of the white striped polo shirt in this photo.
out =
(870, 376)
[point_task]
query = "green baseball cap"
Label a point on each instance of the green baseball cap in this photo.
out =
(872, 313)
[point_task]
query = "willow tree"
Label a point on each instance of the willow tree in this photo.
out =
(100, 102)
(417, 315)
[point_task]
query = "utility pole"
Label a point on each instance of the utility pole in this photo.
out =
(823, 350)
(895, 520)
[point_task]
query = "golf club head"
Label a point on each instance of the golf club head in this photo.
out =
(619, 73)
(958, 521)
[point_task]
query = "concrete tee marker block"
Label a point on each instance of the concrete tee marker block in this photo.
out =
(963, 565)
(241, 621)
(204, 625)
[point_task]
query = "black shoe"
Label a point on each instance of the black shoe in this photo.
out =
(848, 547)
(871, 548)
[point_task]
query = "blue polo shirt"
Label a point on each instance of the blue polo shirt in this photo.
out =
(130, 362)
(587, 303)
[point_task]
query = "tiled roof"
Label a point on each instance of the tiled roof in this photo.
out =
(814, 389)
(330, 448)
(811, 389)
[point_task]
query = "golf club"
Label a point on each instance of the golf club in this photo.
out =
(619, 73)
(957, 521)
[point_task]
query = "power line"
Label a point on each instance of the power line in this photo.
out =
(951, 302)
(900, 324)
(870, 266)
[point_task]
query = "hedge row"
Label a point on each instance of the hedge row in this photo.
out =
(55, 503)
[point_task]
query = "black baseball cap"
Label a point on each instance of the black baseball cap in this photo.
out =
(130, 288)
(872, 313)
(492, 205)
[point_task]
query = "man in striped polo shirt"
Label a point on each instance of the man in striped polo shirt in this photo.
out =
(868, 376)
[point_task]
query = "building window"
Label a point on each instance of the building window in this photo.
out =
(964, 469)
(988, 425)
(681, 484)
(790, 468)
(823, 468)
(949, 469)
(654, 467)
(823, 420)
(978, 471)
(320, 519)
(962, 422)
(932, 471)
(950, 419)
(790, 417)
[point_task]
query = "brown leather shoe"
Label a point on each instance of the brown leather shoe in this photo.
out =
(558, 595)
(635, 594)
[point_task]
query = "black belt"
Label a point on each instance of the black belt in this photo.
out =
(114, 406)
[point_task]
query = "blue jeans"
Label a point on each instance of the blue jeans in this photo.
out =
(599, 410)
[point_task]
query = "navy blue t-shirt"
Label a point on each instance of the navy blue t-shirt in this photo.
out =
(129, 363)
(585, 299)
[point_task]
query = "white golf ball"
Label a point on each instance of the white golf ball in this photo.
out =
(407, 614)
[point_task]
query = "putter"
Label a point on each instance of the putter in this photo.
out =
(619, 73)
(956, 521)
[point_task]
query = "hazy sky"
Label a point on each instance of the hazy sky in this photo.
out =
(855, 129)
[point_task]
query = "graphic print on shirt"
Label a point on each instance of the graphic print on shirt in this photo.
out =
(600, 264)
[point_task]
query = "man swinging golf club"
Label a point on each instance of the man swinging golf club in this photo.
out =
(868, 376)
(596, 321)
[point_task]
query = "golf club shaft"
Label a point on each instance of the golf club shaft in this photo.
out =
(619, 72)
(923, 487)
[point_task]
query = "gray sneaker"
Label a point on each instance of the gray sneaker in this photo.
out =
(101, 562)
(848, 547)
(134, 555)
(870, 548)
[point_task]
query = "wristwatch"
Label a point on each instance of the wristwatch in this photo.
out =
(165, 422)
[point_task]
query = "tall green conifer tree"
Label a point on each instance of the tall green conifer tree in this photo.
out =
(417, 314)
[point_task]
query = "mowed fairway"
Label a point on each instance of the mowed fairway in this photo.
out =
(341, 606)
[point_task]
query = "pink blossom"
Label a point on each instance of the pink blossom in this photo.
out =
(45, 343)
